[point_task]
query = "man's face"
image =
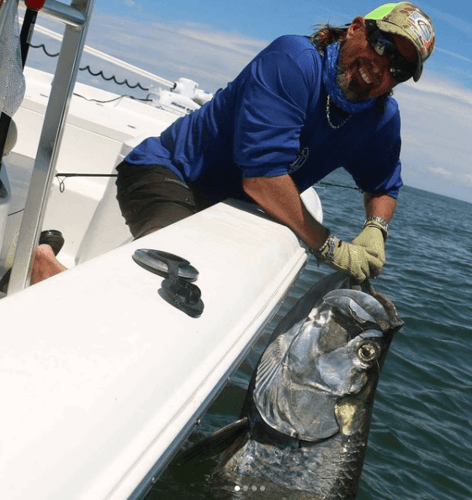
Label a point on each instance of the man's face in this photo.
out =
(362, 72)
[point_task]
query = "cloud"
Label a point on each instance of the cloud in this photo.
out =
(439, 171)
(208, 56)
(436, 135)
(454, 54)
(468, 180)
(436, 84)
(232, 42)
(458, 23)
(129, 3)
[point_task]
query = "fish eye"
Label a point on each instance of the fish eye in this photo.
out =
(367, 352)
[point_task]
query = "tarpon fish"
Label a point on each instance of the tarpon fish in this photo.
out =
(305, 421)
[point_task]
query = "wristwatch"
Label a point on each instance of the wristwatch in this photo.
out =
(380, 221)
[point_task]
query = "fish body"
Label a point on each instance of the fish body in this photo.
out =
(305, 422)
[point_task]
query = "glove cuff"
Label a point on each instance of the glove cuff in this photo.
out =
(379, 223)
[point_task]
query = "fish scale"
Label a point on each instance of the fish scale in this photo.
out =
(327, 472)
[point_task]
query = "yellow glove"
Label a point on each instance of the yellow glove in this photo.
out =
(363, 258)
(372, 238)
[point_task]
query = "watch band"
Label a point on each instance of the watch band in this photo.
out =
(380, 221)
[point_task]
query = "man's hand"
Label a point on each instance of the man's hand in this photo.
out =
(363, 258)
(352, 259)
(372, 238)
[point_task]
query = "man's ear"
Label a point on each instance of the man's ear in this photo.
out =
(357, 23)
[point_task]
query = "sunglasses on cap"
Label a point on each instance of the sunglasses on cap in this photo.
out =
(382, 43)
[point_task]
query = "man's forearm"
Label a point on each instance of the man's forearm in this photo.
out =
(379, 205)
(279, 198)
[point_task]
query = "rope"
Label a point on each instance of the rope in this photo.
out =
(62, 186)
(145, 99)
(100, 73)
(337, 185)
(113, 78)
(67, 175)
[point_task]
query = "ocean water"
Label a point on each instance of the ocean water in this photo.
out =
(420, 443)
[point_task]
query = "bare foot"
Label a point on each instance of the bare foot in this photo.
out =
(45, 264)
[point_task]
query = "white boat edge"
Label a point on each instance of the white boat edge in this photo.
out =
(103, 379)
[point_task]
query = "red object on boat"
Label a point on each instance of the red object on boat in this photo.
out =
(35, 4)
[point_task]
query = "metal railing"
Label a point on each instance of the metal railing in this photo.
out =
(76, 17)
(73, 15)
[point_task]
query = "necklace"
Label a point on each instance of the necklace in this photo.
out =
(328, 115)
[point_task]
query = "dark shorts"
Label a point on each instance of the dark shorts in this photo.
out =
(152, 197)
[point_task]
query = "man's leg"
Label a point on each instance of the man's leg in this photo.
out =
(152, 197)
(45, 264)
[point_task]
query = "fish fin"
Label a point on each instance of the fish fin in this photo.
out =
(215, 444)
(271, 363)
(270, 367)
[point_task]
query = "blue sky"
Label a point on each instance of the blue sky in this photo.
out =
(267, 19)
(211, 41)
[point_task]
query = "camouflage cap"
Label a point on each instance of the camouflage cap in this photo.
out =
(407, 20)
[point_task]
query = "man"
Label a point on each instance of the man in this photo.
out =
(302, 108)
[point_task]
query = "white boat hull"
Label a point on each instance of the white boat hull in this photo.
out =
(101, 378)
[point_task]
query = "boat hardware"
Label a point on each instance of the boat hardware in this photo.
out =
(177, 288)
(157, 262)
(182, 294)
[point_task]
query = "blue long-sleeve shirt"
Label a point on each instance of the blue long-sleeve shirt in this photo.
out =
(270, 121)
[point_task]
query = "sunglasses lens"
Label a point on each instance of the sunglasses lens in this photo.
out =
(399, 74)
(400, 68)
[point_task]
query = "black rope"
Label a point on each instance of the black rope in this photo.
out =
(145, 99)
(67, 175)
(113, 78)
(17, 212)
(337, 185)
(62, 185)
(42, 46)
(100, 73)
(85, 175)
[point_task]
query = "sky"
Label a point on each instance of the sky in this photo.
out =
(211, 41)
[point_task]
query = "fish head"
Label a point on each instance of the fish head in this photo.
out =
(314, 378)
(348, 343)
